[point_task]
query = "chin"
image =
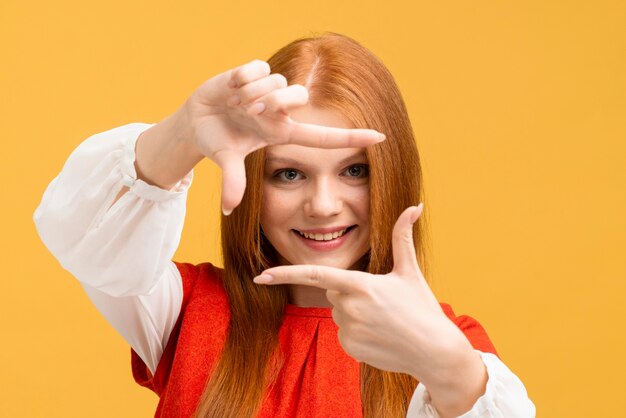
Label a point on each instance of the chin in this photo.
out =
(358, 264)
(317, 261)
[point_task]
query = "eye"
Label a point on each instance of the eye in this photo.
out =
(358, 171)
(287, 175)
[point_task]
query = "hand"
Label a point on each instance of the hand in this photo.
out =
(247, 108)
(392, 322)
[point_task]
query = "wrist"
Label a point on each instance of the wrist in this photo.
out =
(180, 125)
(450, 369)
(165, 153)
(460, 384)
(179, 128)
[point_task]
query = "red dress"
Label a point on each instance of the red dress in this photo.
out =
(318, 378)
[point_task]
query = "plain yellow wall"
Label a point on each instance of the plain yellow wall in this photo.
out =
(519, 109)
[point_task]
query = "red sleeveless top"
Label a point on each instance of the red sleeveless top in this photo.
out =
(318, 379)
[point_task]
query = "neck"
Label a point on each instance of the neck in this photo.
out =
(308, 297)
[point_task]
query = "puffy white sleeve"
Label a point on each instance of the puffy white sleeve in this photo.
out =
(505, 396)
(121, 253)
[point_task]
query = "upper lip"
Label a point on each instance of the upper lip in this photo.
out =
(328, 230)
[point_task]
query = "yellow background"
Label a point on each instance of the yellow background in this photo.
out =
(520, 114)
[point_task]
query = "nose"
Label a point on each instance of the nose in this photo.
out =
(323, 200)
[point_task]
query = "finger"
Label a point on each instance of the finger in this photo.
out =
(404, 258)
(249, 72)
(233, 179)
(256, 109)
(333, 296)
(259, 88)
(285, 99)
(323, 277)
(325, 137)
(278, 100)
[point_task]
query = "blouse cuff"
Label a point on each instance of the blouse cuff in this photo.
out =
(118, 246)
(505, 396)
(140, 187)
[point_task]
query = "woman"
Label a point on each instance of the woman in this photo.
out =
(321, 308)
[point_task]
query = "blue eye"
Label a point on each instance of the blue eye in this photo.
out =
(358, 171)
(287, 175)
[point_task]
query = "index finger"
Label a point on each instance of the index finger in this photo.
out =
(318, 136)
(323, 277)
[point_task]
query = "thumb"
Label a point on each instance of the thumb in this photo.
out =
(404, 258)
(233, 179)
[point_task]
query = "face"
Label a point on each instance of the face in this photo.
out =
(316, 201)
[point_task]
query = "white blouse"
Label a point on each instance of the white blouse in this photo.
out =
(121, 253)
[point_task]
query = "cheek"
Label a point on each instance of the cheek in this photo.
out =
(277, 207)
(360, 199)
(266, 201)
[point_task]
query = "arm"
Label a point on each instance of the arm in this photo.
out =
(104, 244)
(504, 396)
(165, 153)
(394, 322)
(140, 291)
(457, 377)
(115, 223)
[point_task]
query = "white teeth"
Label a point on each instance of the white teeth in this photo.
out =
(323, 237)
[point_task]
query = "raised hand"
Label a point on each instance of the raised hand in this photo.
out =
(247, 108)
(394, 321)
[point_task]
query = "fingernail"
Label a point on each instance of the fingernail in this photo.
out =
(416, 214)
(226, 212)
(381, 137)
(263, 278)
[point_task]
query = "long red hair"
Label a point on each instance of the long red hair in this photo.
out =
(340, 74)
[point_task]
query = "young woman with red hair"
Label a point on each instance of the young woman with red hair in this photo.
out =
(322, 308)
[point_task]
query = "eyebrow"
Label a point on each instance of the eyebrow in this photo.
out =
(285, 160)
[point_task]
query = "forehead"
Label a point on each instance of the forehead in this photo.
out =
(299, 154)
(291, 153)
(320, 116)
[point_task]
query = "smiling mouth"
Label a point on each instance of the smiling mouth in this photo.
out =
(325, 237)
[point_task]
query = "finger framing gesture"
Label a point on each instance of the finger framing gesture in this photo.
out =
(393, 321)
